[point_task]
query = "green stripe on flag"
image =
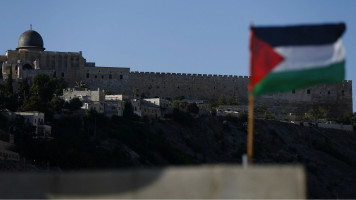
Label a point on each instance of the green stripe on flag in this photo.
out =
(291, 80)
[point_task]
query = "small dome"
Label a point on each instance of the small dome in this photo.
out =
(30, 40)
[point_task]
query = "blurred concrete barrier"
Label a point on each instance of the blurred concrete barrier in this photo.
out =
(216, 181)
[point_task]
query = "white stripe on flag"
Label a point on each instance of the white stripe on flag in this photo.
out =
(306, 57)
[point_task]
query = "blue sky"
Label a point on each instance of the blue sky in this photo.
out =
(183, 36)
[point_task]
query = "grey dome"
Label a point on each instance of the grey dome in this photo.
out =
(30, 40)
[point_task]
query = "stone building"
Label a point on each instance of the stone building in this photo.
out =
(92, 99)
(154, 107)
(6, 154)
(114, 105)
(30, 58)
(35, 119)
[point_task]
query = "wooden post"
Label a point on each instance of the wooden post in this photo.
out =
(250, 105)
(250, 130)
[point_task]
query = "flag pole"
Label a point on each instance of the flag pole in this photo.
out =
(250, 129)
(250, 109)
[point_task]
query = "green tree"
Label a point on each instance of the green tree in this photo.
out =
(128, 110)
(2, 95)
(74, 104)
(41, 87)
(8, 87)
(7, 97)
(318, 113)
(107, 92)
(143, 96)
(222, 101)
(56, 104)
(135, 93)
(192, 108)
(80, 85)
(242, 116)
(24, 88)
(233, 101)
(34, 103)
(176, 102)
(57, 85)
(262, 109)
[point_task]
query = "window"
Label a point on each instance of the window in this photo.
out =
(102, 76)
(110, 76)
(87, 75)
(95, 76)
(26, 67)
(62, 74)
(329, 92)
(343, 93)
(120, 76)
(308, 91)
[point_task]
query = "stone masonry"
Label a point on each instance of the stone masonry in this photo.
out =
(72, 67)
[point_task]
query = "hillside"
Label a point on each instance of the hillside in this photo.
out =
(93, 141)
(329, 156)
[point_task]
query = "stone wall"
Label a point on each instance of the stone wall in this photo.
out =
(336, 98)
(194, 182)
(73, 68)
(191, 86)
(108, 78)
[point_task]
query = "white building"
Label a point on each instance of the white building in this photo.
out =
(114, 107)
(7, 155)
(234, 110)
(36, 119)
(92, 99)
(136, 106)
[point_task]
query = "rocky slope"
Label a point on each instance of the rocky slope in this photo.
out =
(97, 142)
(329, 156)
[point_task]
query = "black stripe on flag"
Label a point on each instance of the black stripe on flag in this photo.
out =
(300, 35)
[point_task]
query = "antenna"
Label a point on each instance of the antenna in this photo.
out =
(31, 26)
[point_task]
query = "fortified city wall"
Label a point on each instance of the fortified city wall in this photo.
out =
(191, 86)
(30, 59)
(336, 98)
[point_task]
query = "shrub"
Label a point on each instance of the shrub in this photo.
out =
(182, 117)
(192, 108)
(242, 116)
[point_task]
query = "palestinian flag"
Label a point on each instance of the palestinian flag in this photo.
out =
(293, 57)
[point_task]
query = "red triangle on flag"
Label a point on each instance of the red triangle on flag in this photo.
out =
(263, 59)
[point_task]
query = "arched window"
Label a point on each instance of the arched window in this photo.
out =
(27, 67)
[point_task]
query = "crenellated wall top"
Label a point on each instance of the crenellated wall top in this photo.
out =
(189, 75)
